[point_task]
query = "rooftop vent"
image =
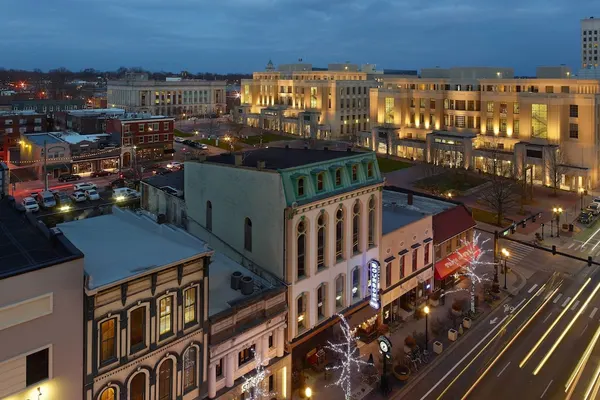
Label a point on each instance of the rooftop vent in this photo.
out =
(236, 277)
(247, 285)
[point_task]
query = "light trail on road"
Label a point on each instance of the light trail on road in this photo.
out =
(564, 311)
(510, 343)
(576, 374)
(590, 238)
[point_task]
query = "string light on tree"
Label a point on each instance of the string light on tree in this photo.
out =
(253, 384)
(349, 358)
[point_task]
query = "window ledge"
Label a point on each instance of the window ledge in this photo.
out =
(137, 348)
(301, 278)
(165, 336)
(321, 269)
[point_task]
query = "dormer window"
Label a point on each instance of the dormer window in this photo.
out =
(338, 177)
(354, 173)
(300, 186)
(370, 170)
(320, 181)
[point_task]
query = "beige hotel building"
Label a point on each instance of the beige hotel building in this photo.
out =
(487, 119)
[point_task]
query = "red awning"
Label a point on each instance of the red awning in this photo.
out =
(455, 261)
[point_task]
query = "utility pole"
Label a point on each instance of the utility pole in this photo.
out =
(45, 166)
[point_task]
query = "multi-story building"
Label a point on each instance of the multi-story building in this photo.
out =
(47, 106)
(164, 195)
(146, 308)
(44, 152)
(143, 136)
(485, 119)
(87, 121)
(310, 217)
(173, 97)
(41, 304)
(590, 31)
(15, 123)
(307, 101)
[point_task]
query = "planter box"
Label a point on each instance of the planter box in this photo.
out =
(438, 347)
(452, 334)
(467, 323)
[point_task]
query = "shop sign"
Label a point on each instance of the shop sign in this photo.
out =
(375, 268)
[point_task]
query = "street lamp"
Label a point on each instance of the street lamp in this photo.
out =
(557, 211)
(308, 392)
(506, 254)
(581, 192)
(426, 311)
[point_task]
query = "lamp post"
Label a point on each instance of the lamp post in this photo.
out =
(542, 231)
(505, 254)
(557, 211)
(581, 192)
(307, 393)
(426, 311)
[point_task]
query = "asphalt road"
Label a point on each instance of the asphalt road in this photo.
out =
(487, 363)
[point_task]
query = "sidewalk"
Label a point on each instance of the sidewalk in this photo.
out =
(438, 317)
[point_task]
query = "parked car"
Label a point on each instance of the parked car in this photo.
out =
(30, 204)
(161, 171)
(78, 197)
(34, 195)
(174, 165)
(84, 186)
(46, 199)
(118, 183)
(63, 201)
(585, 217)
(96, 174)
(92, 195)
(188, 142)
(121, 194)
(594, 208)
(179, 139)
(69, 178)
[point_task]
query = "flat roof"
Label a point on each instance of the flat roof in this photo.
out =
(40, 138)
(141, 116)
(395, 217)
(23, 247)
(74, 137)
(125, 244)
(281, 158)
(424, 205)
(173, 179)
(220, 294)
(18, 113)
(95, 111)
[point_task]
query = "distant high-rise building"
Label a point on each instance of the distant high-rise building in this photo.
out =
(589, 42)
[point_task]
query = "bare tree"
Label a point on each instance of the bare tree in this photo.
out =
(556, 166)
(501, 193)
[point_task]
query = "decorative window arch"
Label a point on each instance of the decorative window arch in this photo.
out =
(322, 241)
(138, 386)
(339, 233)
(300, 186)
(371, 222)
(190, 369)
(209, 215)
(109, 393)
(166, 379)
(338, 177)
(356, 227)
(301, 316)
(248, 234)
(301, 249)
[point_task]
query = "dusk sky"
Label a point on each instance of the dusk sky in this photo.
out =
(242, 35)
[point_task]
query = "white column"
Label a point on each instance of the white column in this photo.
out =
(212, 381)
(258, 346)
(280, 341)
(229, 377)
(265, 349)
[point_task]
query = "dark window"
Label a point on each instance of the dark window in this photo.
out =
(271, 383)
(321, 240)
(219, 368)
(339, 234)
(138, 328)
(414, 259)
(534, 153)
(354, 173)
(137, 389)
(338, 177)
(321, 301)
(209, 215)
(245, 355)
(271, 341)
(301, 259)
(165, 380)
(356, 228)
(320, 181)
(300, 186)
(370, 170)
(574, 111)
(427, 254)
(248, 234)
(388, 275)
(189, 369)
(574, 131)
(36, 367)
(402, 258)
(108, 343)
(371, 232)
(356, 283)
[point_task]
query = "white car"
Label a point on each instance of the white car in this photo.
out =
(174, 165)
(30, 204)
(82, 187)
(122, 194)
(78, 197)
(92, 195)
(179, 139)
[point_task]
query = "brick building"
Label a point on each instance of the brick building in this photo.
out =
(86, 121)
(13, 124)
(143, 136)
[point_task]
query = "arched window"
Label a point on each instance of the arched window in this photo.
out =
(354, 173)
(137, 387)
(338, 177)
(321, 241)
(356, 284)
(248, 234)
(356, 227)
(300, 187)
(320, 181)
(189, 369)
(209, 215)
(370, 170)
(165, 380)
(371, 222)
(339, 291)
(339, 234)
(301, 311)
(322, 301)
(301, 248)
(108, 394)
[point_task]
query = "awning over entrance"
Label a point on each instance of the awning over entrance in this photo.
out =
(455, 261)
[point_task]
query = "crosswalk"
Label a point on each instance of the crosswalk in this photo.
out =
(517, 250)
(590, 246)
(565, 301)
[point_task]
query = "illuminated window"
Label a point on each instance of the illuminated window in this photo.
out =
(301, 250)
(189, 305)
(490, 106)
(108, 394)
(516, 126)
(539, 121)
(389, 110)
(313, 97)
(165, 315)
(321, 240)
(489, 125)
(503, 125)
(301, 312)
(108, 341)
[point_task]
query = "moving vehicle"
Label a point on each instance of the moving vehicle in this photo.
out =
(594, 208)
(69, 178)
(96, 174)
(174, 165)
(63, 201)
(161, 171)
(30, 204)
(125, 193)
(78, 197)
(92, 195)
(84, 186)
(46, 199)
(585, 217)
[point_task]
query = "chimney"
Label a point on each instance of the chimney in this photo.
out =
(260, 164)
(238, 159)
(409, 199)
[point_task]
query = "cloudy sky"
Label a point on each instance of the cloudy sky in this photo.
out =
(242, 35)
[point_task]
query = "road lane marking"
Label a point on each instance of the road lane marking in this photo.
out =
(565, 302)
(593, 312)
(506, 366)
(548, 316)
(571, 245)
(557, 298)
(584, 328)
(575, 305)
(545, 390)
(532, 288)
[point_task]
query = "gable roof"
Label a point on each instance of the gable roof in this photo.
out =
(451, 222)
